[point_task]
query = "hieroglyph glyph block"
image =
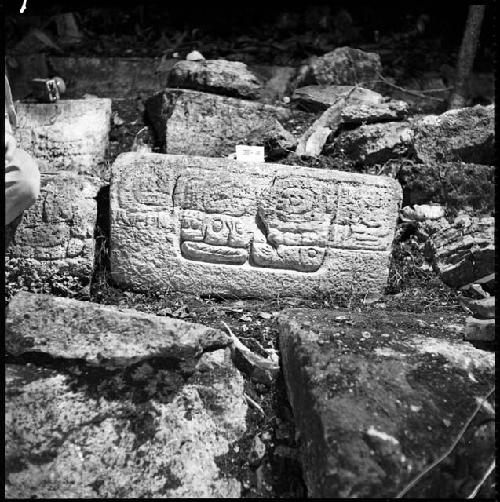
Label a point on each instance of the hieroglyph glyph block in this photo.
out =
(69, 135)
(217, 226)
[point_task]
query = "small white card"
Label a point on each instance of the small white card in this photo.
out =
(245, 153)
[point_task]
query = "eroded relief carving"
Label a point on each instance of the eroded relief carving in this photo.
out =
(284, 226)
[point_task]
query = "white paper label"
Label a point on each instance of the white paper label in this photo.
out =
(245, 153)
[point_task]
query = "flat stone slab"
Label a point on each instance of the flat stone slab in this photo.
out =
(228, 78)
(57, 232)
(70, 135)
(480, 329)
(218, 226)
(377, 398)
(141, 432)
(197, 123)
(73, 329)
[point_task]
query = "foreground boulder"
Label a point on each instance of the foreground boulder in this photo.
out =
(465, 252)
(228, 78)
(149, 427)
(70, 135)
(56, 233)
(73, 329)
(216, 226)
(343, 66)
(375, 404)
(196, 123)
(465, 134)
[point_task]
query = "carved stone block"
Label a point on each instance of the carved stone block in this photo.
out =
(70, 135)
(57, 232)
(217, 226)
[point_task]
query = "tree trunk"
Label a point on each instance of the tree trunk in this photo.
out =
(467, 54)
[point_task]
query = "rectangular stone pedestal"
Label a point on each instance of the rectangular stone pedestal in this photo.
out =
(218, 226)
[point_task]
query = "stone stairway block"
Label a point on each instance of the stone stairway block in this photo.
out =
(218, 226)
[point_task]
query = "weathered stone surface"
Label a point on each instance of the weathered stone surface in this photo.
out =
(196, 123)
(219, 226)
(318, 98)
(343, 66)
(277, 81)
(70, 135)
(369, 113)
(375, 404)
(479, 330)
(454, 184)
(374, 143)
(141, 432)
(228, 78)
(483, 308)
(466, 134)
(57, 232)
(312, 141)
(464, 253)
(72, 329)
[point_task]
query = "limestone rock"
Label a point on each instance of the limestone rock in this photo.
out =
(228, 78)
(466, 134)
(454, 184)
(343, 66)
(70, 135)
(312, 141)
(206, 225)
(196, 123)
(57, 232)
(318, 98)
(479, 330)
(361, 403)
(374, 143)
(277, 81)
(141, 432)
(369, 113)
(462, 254)
(483, 308)
(72, 329)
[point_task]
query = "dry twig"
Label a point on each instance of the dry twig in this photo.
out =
(418, 94)
(483, 479)
(412, 483)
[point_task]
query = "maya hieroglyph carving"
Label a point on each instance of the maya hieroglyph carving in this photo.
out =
(266, 216)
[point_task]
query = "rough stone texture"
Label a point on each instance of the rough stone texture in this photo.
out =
(454, 184)
(142, 432)
(483, 308)
(218, 226)
(73, 329)
(70, 135)
(466, 134)
(368, 113)
(112, 77)
(465, 252)
(374, 143)
(277, 81)
(196, 123)
(375, 404)
(228, 78)
(318, 98)
(57, 232)
(480, 330)
(343, 66)
(312, 141)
